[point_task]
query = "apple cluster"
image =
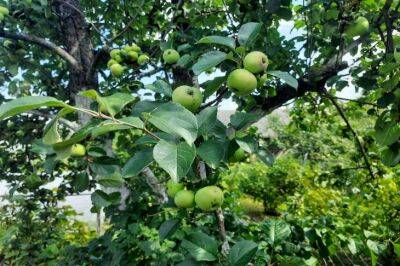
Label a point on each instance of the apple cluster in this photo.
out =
(128, 55)
(3, 12)
(208, 198)
(244, 81)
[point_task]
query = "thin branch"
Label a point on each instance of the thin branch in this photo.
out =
(122, 31)
(44, 43)
(222, 231)
(65, 122)
(356, 101)
(155, 185)
(361, 146)
(216, 100)
(202, 170)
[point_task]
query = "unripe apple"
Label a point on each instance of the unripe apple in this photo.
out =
(114, 53)
(135, 48)
(8, 43)
(209, 198)
(184, 199)
(255, 62)
(4, 11)
(117, 70)
(173, 188)
(10, 124)
(111, 62)
(133, 56)
(20, 133)
(242, 81)
(143, 59)
(189, 97)
(361, 26)
(171, 56)
(78, 150)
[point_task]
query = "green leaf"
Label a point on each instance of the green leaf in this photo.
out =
(101, 199)
(207, 61)
(113, 180)
(212, 86)
(116, 102)
(266, 157)
(150, 140)
(23, 104)
(137, 163)
(387, 133)
(276, 231)
(184, 60)
(144, 107)
(76, 137)
(248, 33)
(248, 144)
(201, 246)
(111, 125)
(212, 152)
(52, 136)
(176, 120)
(168, 228)
(206, 119)
(175, 159)
(241, 119)
(396, 248)
(161, 87)
(352, 246)
(90, 94)
(242, 253)
(226, 41)
(285, 76)
(81, 182)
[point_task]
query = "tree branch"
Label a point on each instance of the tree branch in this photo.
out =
(222, 231)
(343, 115)
(155, 185)
(65, 122)
(44, 43)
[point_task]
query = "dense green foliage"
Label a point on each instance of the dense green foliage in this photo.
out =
(88, 99)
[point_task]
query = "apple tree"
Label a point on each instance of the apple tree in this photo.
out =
(77, 104)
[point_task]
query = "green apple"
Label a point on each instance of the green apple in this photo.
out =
(361, 26)
(189, 97)
(8, 43)
(173, 188)
(171, 56)
(255, 62)
(78, 150)
(184, 199)
(117, 70)
(111, 62)
(143, 59)
(261, 80)
(115, 53)
(133, 56)
(10, 124)
(4, 11)
(238, 156)
(242, 81)
(135, 48)
(209, 198)
(20, 133)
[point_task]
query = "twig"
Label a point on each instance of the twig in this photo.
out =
(222, 231)
(44, 43)
(356, 101)
(156, 186)
(217, 99)
(202, 170)
(362, 148)
(63, 121)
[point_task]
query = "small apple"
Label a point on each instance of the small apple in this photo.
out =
(189, 97)
(135, 48)
(117, 70)
(111, 62)
(4, 11)
(115, 52)
(209, 198)
(143, 59)
(173, 188)
(184, 199)
(242, 81)
(20, 133)
(78, 150)
(10, 124)
(171, 56)
(8, 43)
(361, 26)
(255, 62)
(238, 156)
(132, 56)
(261, 80)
